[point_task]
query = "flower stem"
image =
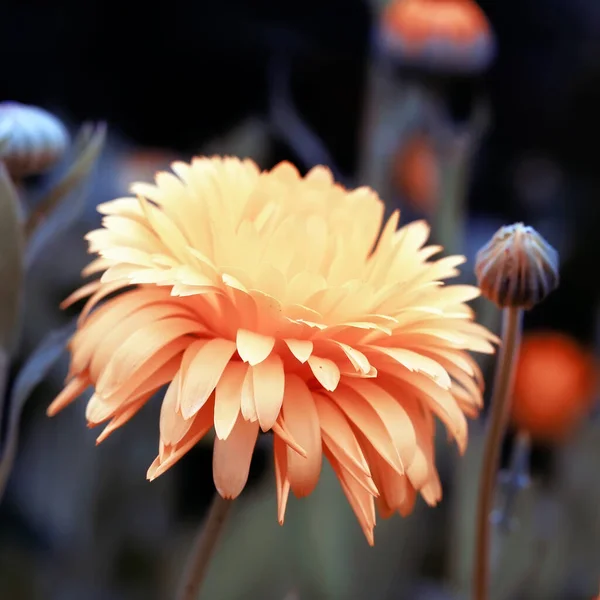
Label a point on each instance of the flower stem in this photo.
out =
(204, 548)
(509, 352)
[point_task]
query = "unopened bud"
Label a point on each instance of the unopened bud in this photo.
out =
(517, 267)
(31, 139)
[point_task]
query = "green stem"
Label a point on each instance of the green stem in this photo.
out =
(204, 548)
(509, 352)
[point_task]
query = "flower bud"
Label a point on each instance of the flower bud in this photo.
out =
(31, 139)
(517, 267)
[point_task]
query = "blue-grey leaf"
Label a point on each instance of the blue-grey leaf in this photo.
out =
(11, 262)
(65, 201)
(34, 371)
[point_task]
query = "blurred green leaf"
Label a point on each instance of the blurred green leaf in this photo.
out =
(34, 371)
(65, 201)
(11, 261)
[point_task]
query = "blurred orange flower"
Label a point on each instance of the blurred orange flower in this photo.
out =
(555, 383)
(416, 173)
(270, 301)
(440, 33)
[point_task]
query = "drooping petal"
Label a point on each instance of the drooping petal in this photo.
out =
(366, 420)
(248, 402)
(232, 456)
(203, 422)
(302, 420)
(228, 398)
(69, 394)
(360, 500)
(122, 416)
(268, 380)
(281, 477)
(173, 426)
(393, 415)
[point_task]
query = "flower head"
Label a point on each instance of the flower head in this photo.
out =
(31, 139)
(555, 384)
(443, 35)
(517, 267)
(271, 302)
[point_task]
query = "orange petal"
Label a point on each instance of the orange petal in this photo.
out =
(253, 347)
(334, 456)
(248, 401)
(339, 436)
(203, 422)
(440, 402)
(326, 372)
(301, 349)
(103, 292)
(157, 371)
(82, 292)
(139, 385)
(359, 361)
(393, 415)
(228, 398)
(97, 410)
(367, 421)
(203, 373)
(173, 426)
(360, 500)
(281, 477)
(96, 342)
(139, 348)
(280, 429)
(231, 458)
(121, 417)
(268, 380)
(96, 266)
(302, 420)
(414, 361)
(69, 394)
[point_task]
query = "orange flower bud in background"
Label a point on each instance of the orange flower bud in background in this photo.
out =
(441, 34)
(416, 174)
(555, 385)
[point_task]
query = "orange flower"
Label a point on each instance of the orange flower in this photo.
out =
(555, 383)
(416, 173)
(440, 33)
(266, 303)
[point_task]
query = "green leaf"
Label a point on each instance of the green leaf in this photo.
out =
(11, 262)
(34, 371)
(65, 201)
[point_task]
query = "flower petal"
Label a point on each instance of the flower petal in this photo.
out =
(173, 426)
(366, 420)
(301, 349)
(204, 371)
(281, 477)
(253, 347)
(326, 372)
(268, 379)
(232, 457)
(302, 420)
(228, 398)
